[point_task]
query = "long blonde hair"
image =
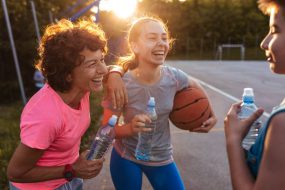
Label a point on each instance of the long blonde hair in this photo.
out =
(130, 61)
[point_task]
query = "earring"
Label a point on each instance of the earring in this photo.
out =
(69, 78)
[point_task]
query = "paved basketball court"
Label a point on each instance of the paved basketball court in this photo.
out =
(201, 158)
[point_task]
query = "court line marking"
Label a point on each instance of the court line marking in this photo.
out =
(214, 129)
(222, 92)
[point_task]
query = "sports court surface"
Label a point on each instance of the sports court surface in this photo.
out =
(201, 158)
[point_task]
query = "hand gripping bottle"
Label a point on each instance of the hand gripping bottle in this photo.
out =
(103, 140)
(247, 109)
(143, 149)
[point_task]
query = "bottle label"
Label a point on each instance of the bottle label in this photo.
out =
(99, 147)
(144, 146)
(245, 112)
(252, 135)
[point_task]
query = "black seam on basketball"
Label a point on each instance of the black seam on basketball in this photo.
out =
(188, 122)
(210, 115)
(195, 101)
(185, 89)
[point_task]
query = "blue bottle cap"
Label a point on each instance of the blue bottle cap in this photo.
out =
(113, 120)
(248, 95)
(151, 102)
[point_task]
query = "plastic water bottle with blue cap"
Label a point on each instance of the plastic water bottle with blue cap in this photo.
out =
(248, 107)
(103, 140)
(143, 149)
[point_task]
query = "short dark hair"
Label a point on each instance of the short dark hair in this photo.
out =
(60, 47)
(265, 5)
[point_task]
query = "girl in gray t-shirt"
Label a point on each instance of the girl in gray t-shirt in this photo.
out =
(146, 77)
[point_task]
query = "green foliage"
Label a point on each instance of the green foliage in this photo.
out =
(23, 29)
(213, 21)
(197, 25)
(10, 131)
(9, 134)
(96, 114)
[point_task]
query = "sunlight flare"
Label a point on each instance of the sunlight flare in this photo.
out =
(122, 8)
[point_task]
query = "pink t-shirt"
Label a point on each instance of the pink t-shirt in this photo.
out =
(49, 124)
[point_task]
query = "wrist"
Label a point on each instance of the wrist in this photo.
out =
(68, 172)
(122, 131)
(233, 141)
(130, 131)
(116, 70)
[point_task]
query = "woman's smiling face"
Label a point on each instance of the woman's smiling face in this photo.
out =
(274, 42)
(88, 76)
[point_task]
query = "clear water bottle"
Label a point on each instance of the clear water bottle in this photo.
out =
(143, 149)
(103, 140)
(248, 107)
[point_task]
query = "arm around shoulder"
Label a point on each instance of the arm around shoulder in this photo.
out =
(115, 86)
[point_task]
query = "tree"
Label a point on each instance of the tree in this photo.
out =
(192, 23)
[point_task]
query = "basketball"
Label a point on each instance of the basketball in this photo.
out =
(191, 108)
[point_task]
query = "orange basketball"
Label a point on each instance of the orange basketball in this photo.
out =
(190, 109)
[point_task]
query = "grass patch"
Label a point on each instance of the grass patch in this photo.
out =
(10, 131)
(9, 134)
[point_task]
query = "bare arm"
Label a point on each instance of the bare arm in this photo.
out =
(115, 86)
(22, 166)
(235, 131)
(135, 126)
(272, 168)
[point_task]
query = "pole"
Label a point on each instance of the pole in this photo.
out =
(97, 14)
(256, 44)
(82, 11)
(35, 21)
(71, 8)
(201, 47)
(50, 16)
(14, 51)
(242, 52)
(215, 48)
(187, 47)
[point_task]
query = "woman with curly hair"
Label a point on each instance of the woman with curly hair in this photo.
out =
(57, 116)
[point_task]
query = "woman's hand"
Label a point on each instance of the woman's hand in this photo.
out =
(235, 128)
(207, 125)
(87, 169)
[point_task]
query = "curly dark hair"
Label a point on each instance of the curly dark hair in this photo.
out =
(60, 47)
(265, 5)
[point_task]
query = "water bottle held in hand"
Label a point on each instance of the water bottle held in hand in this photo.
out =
(103, 140)
(248, 107)
(143, 149)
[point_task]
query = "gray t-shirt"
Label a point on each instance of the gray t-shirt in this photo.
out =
(163, 91)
